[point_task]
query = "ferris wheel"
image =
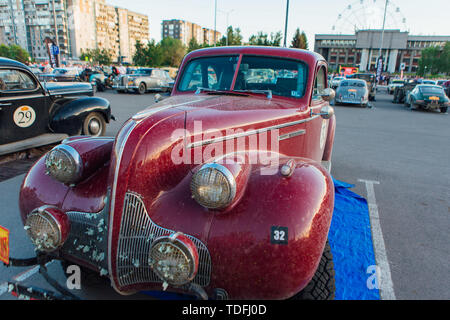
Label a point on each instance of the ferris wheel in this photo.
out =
(368, 14)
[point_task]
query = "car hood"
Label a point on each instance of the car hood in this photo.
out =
(66, 87)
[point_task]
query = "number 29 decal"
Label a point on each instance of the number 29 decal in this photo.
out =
(24, 116)
(278, 235)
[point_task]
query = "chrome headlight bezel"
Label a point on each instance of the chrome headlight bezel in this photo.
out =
(68, 173)
(197, 183)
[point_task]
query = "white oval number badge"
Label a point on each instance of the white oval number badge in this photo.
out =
(24, 116)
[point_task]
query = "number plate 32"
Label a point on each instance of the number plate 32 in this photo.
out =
(278, 235)
(24, 116)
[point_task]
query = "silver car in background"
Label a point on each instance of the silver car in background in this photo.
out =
(142, 80)
(352, 91)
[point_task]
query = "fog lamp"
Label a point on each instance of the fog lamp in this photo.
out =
(64, 164)
(48, 228)
(213, 186)
(174, 259)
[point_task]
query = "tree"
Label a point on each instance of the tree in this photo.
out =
(434, 60)
(172, 51)
(263, 39)
(299, 40)
(14, 52)
(232, 38)
(193, 45)
(99, 56)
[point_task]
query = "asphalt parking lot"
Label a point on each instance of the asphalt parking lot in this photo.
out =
(403, 154)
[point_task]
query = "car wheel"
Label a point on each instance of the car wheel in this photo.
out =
(142, 88)
(100, 86)
(94, 125)
(322, 286)
(443, 109)
(120, 91)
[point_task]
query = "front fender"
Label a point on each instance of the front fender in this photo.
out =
(69, 117)
(247, 261)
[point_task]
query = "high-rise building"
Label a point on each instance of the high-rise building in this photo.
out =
(185, 31)
(79, 24)
(28, 22)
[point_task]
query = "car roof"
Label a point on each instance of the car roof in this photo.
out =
(5, 62)
(354, 80)
(281, 52)
(429, 86)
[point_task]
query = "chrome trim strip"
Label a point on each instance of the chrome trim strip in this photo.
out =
(248, 133)
(118, 152)
(291, 134)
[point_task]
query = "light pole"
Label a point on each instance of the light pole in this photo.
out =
(227, 13)
(215, 20)
(286, 23)
(380, 57)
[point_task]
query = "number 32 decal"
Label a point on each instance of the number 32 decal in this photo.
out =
(278, 235)
(24, 116)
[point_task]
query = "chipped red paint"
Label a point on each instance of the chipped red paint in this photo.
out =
(244, 261)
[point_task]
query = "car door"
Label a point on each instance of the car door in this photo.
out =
(317, 128)
(23, 106)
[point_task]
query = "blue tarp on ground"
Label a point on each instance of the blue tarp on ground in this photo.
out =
(350, 238)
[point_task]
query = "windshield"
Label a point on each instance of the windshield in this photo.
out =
(432, 90)
(145, 72)
(397, 81)
(352, 84)
(281, 76)
(211, 73)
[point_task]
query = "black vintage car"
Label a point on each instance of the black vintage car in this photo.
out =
(34, 114)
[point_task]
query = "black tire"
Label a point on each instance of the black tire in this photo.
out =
(120, 91)
(100, 87)
(142, 88)
(443, 109)
(94, 125)
(322, 286)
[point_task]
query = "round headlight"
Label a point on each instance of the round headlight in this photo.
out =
(64, 164)
(213, 186)
(174, 259)
(47, 228)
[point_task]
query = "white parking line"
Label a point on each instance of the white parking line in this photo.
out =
(384, 278)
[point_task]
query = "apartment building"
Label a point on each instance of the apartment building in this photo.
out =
(185, 31)
(79, 24)
(362, 49)
(28, 22)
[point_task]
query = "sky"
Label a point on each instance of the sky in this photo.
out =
(429, 17)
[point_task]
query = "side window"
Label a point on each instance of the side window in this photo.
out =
(15, 80)
(319, 84)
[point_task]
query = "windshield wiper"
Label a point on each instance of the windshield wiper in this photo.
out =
(267, 92)
(215, 91)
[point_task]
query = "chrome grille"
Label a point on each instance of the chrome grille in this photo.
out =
(137, 232)
(88, 238)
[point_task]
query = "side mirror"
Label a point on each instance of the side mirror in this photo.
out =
(328, 94)
(158, 98)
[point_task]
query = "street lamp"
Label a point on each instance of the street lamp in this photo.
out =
(380, 57)
(215, 20)
(227, 13)
(286, 23)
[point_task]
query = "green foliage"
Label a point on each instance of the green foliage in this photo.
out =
(233, 38)
(14, 52)
(299, 40)
(167, 52)
(435, 60)
(98, 56)
(262, 39)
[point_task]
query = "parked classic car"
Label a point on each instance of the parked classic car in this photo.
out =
(335, 82)
(401, 92)
(370, 80)
(352, 91)
(143, 80)
(395, 83)
(219, 191)
(428, 97)
(34, 114)
(62, 75)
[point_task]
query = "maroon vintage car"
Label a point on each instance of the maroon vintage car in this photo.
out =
(221, 190)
